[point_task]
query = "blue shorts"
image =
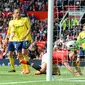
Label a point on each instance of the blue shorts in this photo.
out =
(81, 53)
(25, 44)
(18, 46)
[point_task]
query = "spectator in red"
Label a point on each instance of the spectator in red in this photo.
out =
(2, 15)
(44, 37)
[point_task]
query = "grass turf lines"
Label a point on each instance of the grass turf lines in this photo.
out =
(66, 78)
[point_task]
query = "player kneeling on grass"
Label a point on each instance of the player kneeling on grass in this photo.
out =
(76, 63)
(42, 69)
(59, 56)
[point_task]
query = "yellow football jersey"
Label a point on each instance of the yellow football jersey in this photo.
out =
(81, 36)
(20, 28)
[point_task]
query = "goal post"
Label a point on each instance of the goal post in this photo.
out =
(50, 39)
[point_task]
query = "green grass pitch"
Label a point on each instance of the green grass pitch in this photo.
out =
(66, 78)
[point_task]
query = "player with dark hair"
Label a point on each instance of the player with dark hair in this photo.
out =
(59, 56)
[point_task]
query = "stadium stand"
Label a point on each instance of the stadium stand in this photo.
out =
(36, 9)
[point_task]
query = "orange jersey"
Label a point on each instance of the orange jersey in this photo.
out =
(60, 56)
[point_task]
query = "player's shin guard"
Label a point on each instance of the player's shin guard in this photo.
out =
(56, 70)
(11, 59)
(78, 63)
(27, 59)
(22, 65)
(77, 66)
(26, 65)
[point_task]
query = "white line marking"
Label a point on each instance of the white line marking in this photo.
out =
(23, 82)
(57, 80)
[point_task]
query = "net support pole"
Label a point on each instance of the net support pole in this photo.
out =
(50, 39)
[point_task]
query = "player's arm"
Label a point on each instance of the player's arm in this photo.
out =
(8, 34)
(79, 37)
(78, 42)
(68, 67)
(7, 37)
(12, 32)
(28, 25)
(28, 31)
(12, 35)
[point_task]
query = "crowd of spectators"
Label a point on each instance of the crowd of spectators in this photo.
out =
(38, 5)
(27, 5)
(39, 27)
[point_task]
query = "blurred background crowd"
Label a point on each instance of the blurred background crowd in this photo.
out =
(70, 26)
